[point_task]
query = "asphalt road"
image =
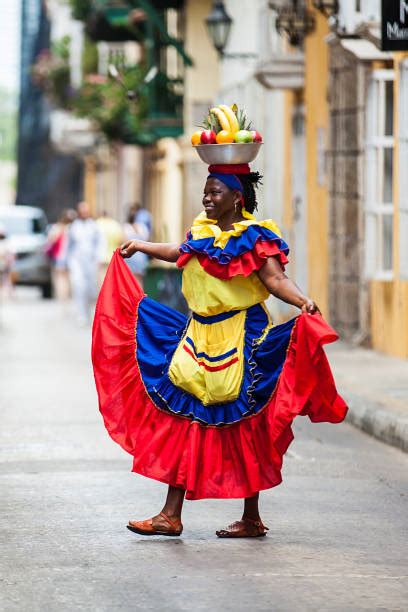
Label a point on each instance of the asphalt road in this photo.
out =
(338, 523)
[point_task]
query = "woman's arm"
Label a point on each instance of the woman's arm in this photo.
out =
(165, 251)
(277, 283)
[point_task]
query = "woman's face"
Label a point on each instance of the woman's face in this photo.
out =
(218, 199)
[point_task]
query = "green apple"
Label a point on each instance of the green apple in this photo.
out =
(243, 136)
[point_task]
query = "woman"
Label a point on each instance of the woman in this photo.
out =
(134, 230)
(56, 249)
(205, 405)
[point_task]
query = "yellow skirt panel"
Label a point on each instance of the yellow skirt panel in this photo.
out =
(209, 363)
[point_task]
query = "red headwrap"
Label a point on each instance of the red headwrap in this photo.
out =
(229, 169)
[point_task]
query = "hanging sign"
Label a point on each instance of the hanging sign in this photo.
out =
(394, 25)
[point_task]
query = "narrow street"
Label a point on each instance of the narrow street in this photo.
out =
(338, 524)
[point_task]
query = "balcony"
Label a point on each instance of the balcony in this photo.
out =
(282, 71)
(156, 26)
(72, 135)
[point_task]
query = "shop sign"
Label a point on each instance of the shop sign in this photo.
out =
(394, 25)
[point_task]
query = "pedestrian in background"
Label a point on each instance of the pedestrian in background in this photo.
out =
(137, 230)
(85, 251)
(6, 262)
(142, 216)
(112, 234)
(56, 249)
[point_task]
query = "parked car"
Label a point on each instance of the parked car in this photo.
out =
(26, 229)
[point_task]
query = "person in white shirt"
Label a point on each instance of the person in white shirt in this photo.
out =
(85, 251)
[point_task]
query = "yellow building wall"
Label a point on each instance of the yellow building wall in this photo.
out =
(389, 299)
(317, 119)
(389, 317)
(202, 80)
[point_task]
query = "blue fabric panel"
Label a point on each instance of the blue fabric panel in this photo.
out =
(230, 180)
(223, 316)
(159, 331)
(202, 354)
(236, 245)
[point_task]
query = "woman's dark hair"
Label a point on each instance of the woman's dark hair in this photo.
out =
(250, 182)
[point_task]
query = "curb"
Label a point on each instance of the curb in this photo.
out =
(376, 420)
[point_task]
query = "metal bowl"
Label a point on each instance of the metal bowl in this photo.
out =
(234, 153)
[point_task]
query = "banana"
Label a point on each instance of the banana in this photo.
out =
(231, 116)
(223, 121)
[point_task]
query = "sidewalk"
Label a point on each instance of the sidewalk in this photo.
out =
(375, 386)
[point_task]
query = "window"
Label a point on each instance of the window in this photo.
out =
(403, 174)
(379, 194)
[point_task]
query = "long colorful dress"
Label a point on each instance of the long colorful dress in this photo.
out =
(206, 402)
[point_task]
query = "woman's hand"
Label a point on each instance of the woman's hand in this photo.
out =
(129, 248)
(310, 307)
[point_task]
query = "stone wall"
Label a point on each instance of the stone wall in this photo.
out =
(348, 296)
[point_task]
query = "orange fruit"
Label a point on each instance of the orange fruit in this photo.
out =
(196, 137)
(225, 137)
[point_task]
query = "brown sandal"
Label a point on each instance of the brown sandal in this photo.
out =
(146, 527)
(245, 528)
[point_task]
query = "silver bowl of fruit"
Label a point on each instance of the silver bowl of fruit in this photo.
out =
(232, 153)
(227, 137)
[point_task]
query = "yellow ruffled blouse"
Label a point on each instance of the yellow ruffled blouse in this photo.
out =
(207, 295)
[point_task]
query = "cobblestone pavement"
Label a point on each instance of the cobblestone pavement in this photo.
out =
(338, 524)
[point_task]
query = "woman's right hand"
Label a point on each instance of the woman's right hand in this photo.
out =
(129, 248)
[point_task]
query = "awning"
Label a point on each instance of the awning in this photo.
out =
(365, 50)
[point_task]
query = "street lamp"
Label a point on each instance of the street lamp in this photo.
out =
(295, 20)
(329, 8)
(219, 25)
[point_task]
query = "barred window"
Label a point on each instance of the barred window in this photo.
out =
(379, 192)
(403, 174)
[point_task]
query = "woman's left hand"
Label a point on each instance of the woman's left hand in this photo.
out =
(310, 307)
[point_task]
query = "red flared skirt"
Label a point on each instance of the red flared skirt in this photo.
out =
(171, 438)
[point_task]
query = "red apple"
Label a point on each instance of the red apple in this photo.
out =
(256, 136)
(208, 137)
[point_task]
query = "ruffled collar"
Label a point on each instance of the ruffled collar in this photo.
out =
(208, 228)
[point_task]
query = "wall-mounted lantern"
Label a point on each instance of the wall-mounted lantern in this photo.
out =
(329, 8)
(293, 19)
(219, 25)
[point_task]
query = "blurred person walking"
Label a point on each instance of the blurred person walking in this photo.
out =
(112, 234)
(142, 216)
(85, 251)
(137, 230)
(56, 250)
(6, 262)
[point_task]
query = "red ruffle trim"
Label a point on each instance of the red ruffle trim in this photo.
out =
(235, 461)
(244, 264)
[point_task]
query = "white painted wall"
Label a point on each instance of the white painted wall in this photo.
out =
(350, 18)
(62, 25)
(253, 32)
